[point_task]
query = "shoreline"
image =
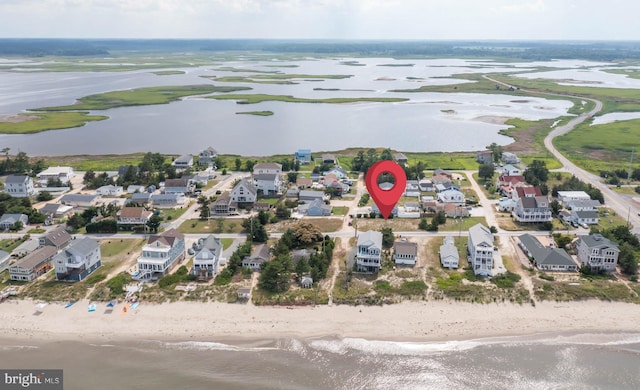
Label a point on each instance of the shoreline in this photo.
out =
(432, 321)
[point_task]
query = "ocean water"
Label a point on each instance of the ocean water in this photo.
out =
(562, 361)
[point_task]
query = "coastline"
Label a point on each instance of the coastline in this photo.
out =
(433, 321)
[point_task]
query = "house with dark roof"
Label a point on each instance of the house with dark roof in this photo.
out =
(58, 238)
(160, 253)
(19, 186)
(597, 252)
(310, 195)
(484, 157)
(405, 252)
(33, 265)
(183, 162)
(223, 205)
(259, 255)
(129, 217)
(78, 261)
(207, 257)
(328, 158)
(181, 185)
(7, 221)
(269, 184)
(141, 198)
(586, 217)
(546, 259)
(532, 209)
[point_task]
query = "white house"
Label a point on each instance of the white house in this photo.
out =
(78, 261)
(110, 190)
(207, 157)
(207, 257)
(510, 158)
(597, 253)
(532, 209)
(132, 189)
(168, 200)
(128, 217)
(268, 183)
(182, 185)
(510, 170)
(269, 167)
(449, 256)
(583, 205)
(64, 174)
(183, 162)
(566, 196)
(585, 217)
(451, 196)
(405, 252)
(160, 254)
(480, 250)
(7, 221)
(33, 264)
(19, 186)
(259, 255)
(368, 252)
(244, 192)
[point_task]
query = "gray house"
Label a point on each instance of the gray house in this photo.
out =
(480, 250)
(309, 195)
(368, 252)
(598, 253)
(9, 220)
(207, 156)
(78, 261)
(207, 258)
(57, 238)
(259, 255)
(315, 208)
(449, 256)
(546, 259)
(405, 252)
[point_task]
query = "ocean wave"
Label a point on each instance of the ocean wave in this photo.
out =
(17, 347)
(344, 346)
(211, 346)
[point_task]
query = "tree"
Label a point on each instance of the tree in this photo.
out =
(255, 230)
(275, 274)
(536, 173)
(496, 151)
(440, 218)
(292, 177)
(627, 259)
(555, 207)
(238, 164)
(424, 224)
(486, 171)
(282, 212)
(220, 224)
(263, 217)
(305, 234)
(302, 267)
(44, 196)
(154, 223)
(387, 237)
(386, 155)
(205, 211)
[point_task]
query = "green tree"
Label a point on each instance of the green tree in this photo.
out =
(536, 173)
(238, 164)
(292, 177)
(486, 171)
(205, 211)
(387, 237)
(555, 207)
(154, 223)
(424, 224)
(440, 218)
(44, 196)
(627, 259)
(302, 268)
(275, 274)
(255, 230)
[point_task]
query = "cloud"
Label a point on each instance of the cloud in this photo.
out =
(523, 7)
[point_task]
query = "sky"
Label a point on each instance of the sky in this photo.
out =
(323, 19)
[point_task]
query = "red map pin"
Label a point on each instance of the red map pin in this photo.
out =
(386, 199)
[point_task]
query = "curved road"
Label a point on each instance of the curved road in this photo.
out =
(617, 202)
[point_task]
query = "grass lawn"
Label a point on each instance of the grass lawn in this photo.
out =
(116, 247)
(340, 210)
(226, 242)
(454, 225)
(9, 244)
(171, 214)
(97, 163)
(625, 190)
(43, 121)
(609, 218)
(396, 224)
(481, 183)
(211, 226)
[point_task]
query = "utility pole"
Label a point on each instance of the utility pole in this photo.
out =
(630, 164)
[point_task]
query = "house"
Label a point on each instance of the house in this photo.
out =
(110, 190)
(58, 238)
(244, 192)
(405, 252)
(268, 167)
(141, 198)
(203, 177)
(78, 261)
(183, 162)
(400, 158)
(19, 186)
(409, 210)
(597, 252)
(207, 257)
(480, 250)
(264, 206)
(303, 156)
(293, 192)
(182, 185)
(64, 174)
(306, 282)
(451, 210)
(33, 265)
(315, 208)
(507, 205)
(160, 253)
(339, 188)
(532, 209)
(368, 252)
(207, 157)
(223, 205)
(546, 259)
(168, 200)
(412, 188)
(26, 247)
(328, 159)
(132, 189)
(339, 172)
(585, 217)
(442, 172)
(55, 210)
(525, 192)
(565, 215)
(426, 185)
(376, 210)
(244, 293)
(129, 217)
(310, 195)
(451, 196)
(449, 256)
(583, 205)
(567, 196)
(5, 259)
(269, 184)
(484, 157)
(510, 170)
(510, 158)
(304, 182)
(300, 254)
(7, 221)
(80, 200)
(259, 255)
(315, 177)
(507, 184)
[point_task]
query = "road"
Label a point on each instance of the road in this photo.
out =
(617, 202)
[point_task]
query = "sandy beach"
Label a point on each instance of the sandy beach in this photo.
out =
(409, 321)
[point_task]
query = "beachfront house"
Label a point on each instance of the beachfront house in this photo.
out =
(78, 261)
(130, 217)
(33, 265)
(546, 259)
(58, 238)
(303, 156)
(160, 253)
(207, 157)
(268, 167)
(480, 250)
(405, 252)
(449, 256)
(597, 252)
(19, 186)
(207, 258)
(9, 221)
(244, 192)
(369, 251)
(259, 255)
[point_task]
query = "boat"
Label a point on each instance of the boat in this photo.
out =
(92, 307)
(68, 305)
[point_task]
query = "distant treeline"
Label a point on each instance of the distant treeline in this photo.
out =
(526, 50)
